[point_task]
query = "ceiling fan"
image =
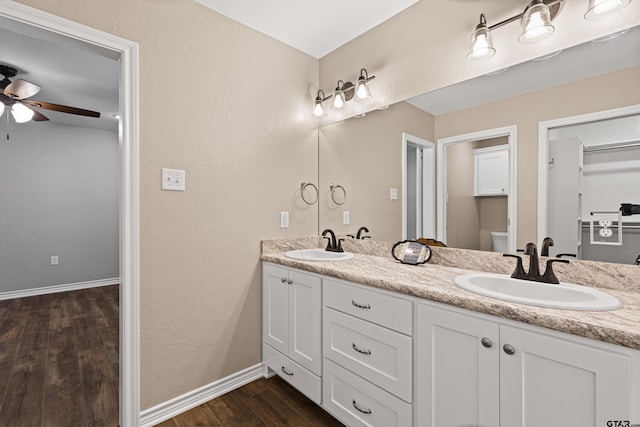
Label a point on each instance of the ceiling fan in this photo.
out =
(14, 97)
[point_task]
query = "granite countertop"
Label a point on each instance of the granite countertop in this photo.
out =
(435, 282)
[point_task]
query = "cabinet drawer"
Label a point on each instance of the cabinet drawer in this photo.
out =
(386, 310)
(373, 352)
(309, 384)
(357, 402)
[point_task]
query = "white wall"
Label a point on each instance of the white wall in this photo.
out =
(59, 189)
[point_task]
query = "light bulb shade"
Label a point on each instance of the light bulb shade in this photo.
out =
(1, 108)
(362, 89)
(598, 8)
(536, 23)
(339, 99)
(481, 43)
(318, 109)
(21, 113)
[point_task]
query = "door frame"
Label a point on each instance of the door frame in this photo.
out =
(70, 32)
(426, 145)
(511, 132)
(543, 152)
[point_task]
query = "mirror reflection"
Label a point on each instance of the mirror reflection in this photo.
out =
(397, 194)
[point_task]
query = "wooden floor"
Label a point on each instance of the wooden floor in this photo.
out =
(59, 359)
(265, 402)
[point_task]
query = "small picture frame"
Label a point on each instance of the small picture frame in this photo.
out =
(411, 252)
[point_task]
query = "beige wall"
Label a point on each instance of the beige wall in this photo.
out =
(604, 92)
(208, 104)
(365, 156)
(471, 219)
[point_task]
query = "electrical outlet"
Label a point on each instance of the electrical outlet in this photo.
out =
(173, 179)
(54, 260)
(345, 217)
(284, 219)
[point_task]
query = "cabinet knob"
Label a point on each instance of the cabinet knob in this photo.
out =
(283, 279)
(286, 372)
(486, 342)
(508, 348)
(290, 282)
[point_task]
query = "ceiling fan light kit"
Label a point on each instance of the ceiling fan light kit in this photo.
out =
(344, 92)
(536, 23)
(14, 99)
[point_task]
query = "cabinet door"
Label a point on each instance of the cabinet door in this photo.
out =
(305, 320)
(275, 308)
(457, 375)
(552, 382)
(492, 172)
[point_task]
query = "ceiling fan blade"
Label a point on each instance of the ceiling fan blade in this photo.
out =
(21, 89)
(62, 108)
(39, 117)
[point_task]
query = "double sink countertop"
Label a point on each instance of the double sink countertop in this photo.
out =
(373, 265)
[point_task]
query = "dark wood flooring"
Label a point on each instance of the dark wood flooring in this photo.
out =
(59, 359)
(265, 402)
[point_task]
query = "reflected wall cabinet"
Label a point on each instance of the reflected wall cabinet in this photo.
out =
(491, 171)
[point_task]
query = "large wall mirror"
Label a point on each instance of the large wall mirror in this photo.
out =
(390, 182)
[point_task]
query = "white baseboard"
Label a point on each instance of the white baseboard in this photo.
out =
(58, 288)
(169, 409)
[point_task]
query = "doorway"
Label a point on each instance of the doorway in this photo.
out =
(418, 188)
(37, 24)
(446, 225)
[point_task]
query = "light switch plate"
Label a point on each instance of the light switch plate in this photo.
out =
(345, 217)
(284, 219)
(173, 179)
(393, 194)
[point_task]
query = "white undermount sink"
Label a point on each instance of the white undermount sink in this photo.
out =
(318, 255)
(564, 296)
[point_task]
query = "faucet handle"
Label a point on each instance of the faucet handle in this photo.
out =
(519, 272)
(339, 248)
(328, 248)
(549, 276)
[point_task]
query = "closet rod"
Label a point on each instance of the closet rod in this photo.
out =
(614, 146)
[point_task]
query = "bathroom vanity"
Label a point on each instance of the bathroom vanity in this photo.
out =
(378, 343)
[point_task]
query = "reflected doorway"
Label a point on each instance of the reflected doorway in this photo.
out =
(418, 188)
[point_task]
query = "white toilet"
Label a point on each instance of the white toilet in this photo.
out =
(499, 242)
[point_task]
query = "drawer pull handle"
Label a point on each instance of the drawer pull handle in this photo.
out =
(364, 411)
(363, 306)
(283, 279)
(486, 342)
(287, 372)
(355, 347)
(290, 282)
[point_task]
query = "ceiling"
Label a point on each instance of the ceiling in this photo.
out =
(315, 28)
(68, 75)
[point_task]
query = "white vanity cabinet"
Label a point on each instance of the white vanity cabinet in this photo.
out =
(292, 327)
(491, 171)
(474, 370)
(368, 355)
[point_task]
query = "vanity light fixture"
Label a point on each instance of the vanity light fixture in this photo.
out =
(536, 26)
(344, 92)
(598, 8)
(318, 109)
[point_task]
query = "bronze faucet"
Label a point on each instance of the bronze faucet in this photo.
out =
(546, 242)
(534, 269)
(332, 245)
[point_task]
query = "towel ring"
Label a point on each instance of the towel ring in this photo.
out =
(335, 187)
(303, 186)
